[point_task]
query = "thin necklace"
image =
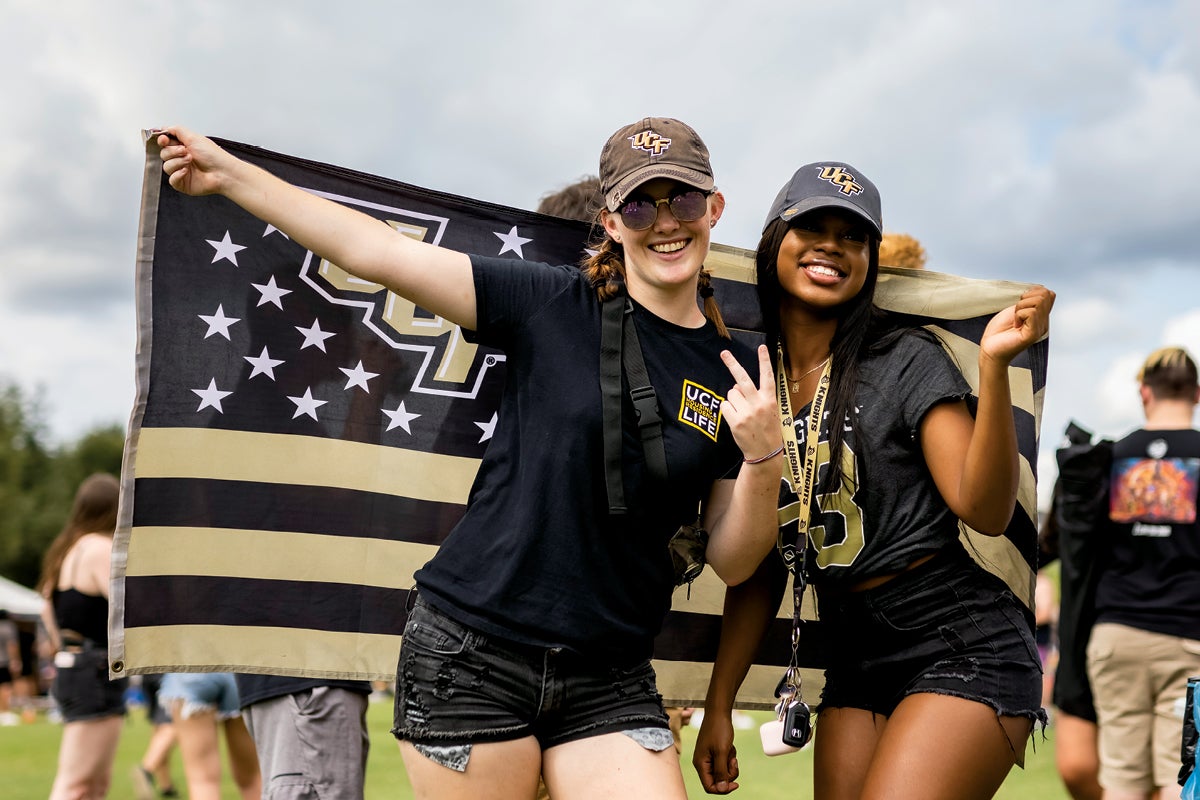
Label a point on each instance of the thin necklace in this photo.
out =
(795, 384)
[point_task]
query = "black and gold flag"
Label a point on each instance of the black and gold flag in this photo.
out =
(302, 440)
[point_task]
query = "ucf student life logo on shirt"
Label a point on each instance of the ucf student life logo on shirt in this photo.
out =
(701, 408)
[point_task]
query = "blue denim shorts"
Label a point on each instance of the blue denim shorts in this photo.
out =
(945, 627)
(82, 688)
(456, 686)
(201, 692)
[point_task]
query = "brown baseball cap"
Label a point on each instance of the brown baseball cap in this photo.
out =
(655, 147)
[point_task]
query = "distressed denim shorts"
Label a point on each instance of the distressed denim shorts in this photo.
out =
(200, 692)
(456, 686)
(945, 627)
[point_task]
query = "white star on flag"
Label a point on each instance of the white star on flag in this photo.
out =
(488, 428)
(400, 418)
(271, 293)
(263, 364)
(314, 336)
(218, 322)
(226, 249)
(358, 377)
(211, 397)
(272, 229)
(307, 404)
(512, 242)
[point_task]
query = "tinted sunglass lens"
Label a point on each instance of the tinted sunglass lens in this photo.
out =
(639, 214)
(689, 206)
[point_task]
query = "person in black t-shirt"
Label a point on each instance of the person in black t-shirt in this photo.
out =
(540, 593)
(933, 681)
(1146, 639)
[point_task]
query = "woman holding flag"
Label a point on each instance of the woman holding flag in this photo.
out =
(933, 682)
(527, 650)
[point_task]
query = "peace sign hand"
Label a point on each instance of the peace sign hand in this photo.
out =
(751, 409)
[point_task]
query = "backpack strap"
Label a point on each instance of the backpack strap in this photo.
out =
(620, 351)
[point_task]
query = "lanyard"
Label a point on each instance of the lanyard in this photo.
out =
(801, 476)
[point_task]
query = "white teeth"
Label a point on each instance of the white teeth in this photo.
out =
(669, 247)
(820, 270)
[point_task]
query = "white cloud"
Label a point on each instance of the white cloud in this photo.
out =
(1036, 142)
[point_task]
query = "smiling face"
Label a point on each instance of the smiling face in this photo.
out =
(666, 256)
(824, 260)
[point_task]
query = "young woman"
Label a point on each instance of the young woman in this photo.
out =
(75, 584)
(202, 704)
(934, 681)
(527, 650)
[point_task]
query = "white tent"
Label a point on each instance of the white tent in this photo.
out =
(19, 602)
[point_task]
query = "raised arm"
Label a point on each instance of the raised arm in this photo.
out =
(436, 279)
(741, 515)
(974, 462)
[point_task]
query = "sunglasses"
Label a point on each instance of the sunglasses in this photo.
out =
(686, 207)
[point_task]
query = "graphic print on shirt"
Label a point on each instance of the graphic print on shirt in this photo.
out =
(835, 526)
(1154, 490)
(701, 408)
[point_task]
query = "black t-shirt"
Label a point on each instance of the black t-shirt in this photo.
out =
(256, 688)
(896, 514)
(537, 558)
(1150, 578)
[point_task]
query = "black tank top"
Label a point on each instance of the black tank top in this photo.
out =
(85, 614)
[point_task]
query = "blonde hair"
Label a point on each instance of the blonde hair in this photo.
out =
(901, 250)
(1170, 373)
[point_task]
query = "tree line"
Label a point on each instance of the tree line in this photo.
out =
(38, 479)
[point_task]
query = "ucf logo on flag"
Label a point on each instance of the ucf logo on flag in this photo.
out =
(303, 441)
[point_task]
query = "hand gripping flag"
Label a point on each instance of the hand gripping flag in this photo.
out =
(303, 440)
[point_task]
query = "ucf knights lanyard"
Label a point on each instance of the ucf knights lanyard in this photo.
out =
(802, 476)
(802, 470)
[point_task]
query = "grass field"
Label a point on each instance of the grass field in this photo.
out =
(28, 754)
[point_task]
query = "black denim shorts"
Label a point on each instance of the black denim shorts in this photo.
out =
(81, 686)
(945, 627)
(458, 686)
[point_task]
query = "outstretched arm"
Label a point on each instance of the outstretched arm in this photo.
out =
(437, 279)
(974, 462)
(741, 514)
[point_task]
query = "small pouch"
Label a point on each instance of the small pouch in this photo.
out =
(687, 548)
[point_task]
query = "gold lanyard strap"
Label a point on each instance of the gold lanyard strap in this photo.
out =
(801, 472)
(802, 478)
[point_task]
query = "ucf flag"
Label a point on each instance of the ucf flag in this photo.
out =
(302, 440)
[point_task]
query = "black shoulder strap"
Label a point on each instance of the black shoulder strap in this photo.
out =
(616, 325)
(611, 314)
(645, 402)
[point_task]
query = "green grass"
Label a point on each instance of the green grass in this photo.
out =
(28, 754)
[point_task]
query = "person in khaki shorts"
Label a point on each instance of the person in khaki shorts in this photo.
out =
(1144, 646)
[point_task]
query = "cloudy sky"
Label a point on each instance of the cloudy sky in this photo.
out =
(1023, 140)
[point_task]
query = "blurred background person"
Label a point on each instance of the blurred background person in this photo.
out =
(1146, 640)
(202, 705)
(75, 576)
(901, 250)
(152, 775)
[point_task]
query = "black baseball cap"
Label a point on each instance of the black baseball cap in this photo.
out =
(828, 183)
(654, 147)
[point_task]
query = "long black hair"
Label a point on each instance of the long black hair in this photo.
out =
(860, 327)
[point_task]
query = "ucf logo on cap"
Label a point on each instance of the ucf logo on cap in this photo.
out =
(651, 142)
(841, 179)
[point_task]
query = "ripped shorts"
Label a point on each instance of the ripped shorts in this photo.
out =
(456, 686)
(190, 693)
(945, 627)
